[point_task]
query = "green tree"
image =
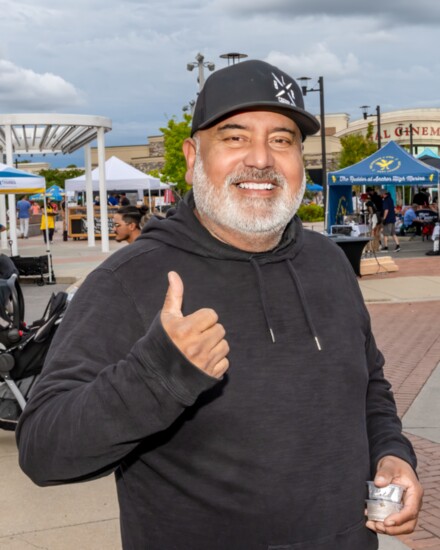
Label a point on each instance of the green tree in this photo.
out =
(174, 168)
(54, 176)
(356, 147)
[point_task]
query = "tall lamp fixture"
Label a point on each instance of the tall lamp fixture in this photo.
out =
(377, 115)
(319, 87)
(189, 107)
(200, 64)
(233, 57)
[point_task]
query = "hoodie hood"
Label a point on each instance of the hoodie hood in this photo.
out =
(183, 230)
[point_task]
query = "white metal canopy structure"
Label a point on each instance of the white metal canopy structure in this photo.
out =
(40, 134)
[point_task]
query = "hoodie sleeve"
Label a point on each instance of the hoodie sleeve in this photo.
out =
(108, 383)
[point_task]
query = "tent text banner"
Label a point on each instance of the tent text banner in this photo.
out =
(390, 165)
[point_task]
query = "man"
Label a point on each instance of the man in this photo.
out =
(23, 212)
(410, 219)
(123, 200)
(389, 221)
(241, 403)
(421, 198)
(112, 200)
(127, 223)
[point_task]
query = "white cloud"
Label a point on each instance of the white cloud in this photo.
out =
(318, 60)
(26, 90)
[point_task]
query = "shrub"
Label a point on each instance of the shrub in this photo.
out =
(311, 213)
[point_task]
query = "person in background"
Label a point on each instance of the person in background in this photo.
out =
(377, 200)
(112, 200)
(410, 219)
(23, 211)
(128, 222)
(374, 221)
(389, 221)
(421, 198)
(123, 200)
(35, 208)
(48, 222)
(223, 365)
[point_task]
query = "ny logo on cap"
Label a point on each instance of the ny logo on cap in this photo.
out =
(284, 92)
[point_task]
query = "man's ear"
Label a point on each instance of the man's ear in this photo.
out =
(189, 150)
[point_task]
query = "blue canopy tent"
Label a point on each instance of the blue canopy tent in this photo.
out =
(389, 166)
(429, 157)
(54, 192)
(314, 187)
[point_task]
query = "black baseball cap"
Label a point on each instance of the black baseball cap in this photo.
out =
(247, 86)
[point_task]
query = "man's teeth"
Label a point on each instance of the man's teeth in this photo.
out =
(253, 185)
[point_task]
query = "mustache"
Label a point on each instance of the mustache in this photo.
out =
(253, 174)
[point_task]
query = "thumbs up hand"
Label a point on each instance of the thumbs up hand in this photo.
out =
(198, 336)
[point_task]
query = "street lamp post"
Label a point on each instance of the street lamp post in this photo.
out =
(319, 88)
(411, 143)
(200, 64)
(377, 115)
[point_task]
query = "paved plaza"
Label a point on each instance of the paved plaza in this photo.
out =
(405, 311)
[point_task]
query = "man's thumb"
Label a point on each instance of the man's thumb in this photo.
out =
(174, 296)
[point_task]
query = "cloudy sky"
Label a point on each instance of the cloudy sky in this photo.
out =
(126, 59)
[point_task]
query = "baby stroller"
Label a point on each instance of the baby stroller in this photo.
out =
(22, 348)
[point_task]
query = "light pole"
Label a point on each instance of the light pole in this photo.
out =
(233, 57)
(411, 144)
(201, 64)
(377, 115)
(319, 87)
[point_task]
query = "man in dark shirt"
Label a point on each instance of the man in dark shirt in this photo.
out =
(421, 198)
(389, 221)
(273, 452)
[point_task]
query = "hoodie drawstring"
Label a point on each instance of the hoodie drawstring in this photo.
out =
(301, 294)
(257, 269)
(303, 300)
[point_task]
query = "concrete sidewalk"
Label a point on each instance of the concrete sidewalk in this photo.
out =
(405, 311)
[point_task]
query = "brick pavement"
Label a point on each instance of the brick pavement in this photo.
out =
(409, 337)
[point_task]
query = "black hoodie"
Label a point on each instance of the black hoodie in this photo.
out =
(273, 456)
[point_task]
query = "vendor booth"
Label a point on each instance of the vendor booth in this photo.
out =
(119, 177)
(13, 182)
(389, 166)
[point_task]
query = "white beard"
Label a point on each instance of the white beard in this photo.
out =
(249, 215)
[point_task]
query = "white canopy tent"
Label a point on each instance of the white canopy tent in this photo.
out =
(119, 176)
